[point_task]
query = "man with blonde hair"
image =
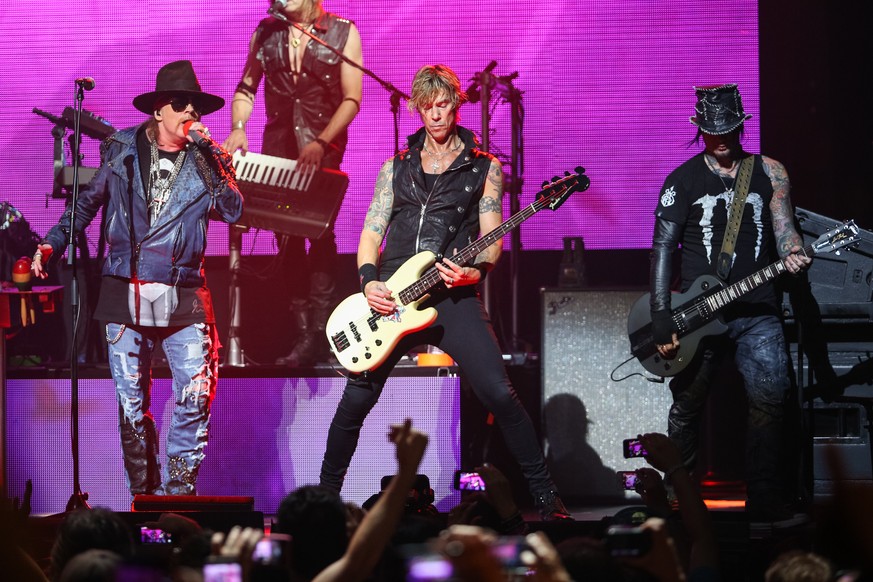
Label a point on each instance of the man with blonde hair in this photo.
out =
(439, 195)
(311, 97)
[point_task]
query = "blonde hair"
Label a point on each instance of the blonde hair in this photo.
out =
(432, 80)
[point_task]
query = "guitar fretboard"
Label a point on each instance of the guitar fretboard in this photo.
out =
(431, 277)
(721, 298)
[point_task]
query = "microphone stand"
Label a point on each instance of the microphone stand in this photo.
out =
(78, 500)
(396, 94)
(484, 85)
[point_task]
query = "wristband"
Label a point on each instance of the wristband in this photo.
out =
(483, 272)
(323, 144)
(366, 273)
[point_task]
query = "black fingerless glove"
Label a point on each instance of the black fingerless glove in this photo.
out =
(662, 327)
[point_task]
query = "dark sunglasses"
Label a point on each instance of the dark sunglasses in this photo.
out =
(180, 104)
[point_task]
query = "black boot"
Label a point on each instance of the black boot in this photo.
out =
(551, 507)
(304, 352)
(139, 446)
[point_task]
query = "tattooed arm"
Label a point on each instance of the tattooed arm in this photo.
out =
(491, 214)
(378, 215)
(375, 226)
(490, 217)
(789, 243)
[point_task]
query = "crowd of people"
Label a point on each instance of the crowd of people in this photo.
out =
(159, 184)
(315, 535)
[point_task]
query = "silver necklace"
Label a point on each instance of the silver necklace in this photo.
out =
(717, 172)
(161, 188)
(437, 162)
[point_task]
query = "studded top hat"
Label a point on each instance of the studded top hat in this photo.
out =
(719, 109)
(178, 78)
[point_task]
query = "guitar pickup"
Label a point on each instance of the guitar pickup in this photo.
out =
(339, 341)
(355, 332)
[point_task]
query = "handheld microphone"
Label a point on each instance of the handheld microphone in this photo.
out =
(86, 83)
(204, 141)
(278, 6)
(199, 137)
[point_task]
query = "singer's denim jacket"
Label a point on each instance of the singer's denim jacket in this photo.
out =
(169, 251)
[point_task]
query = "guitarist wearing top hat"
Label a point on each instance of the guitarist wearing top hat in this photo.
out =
(693, 211)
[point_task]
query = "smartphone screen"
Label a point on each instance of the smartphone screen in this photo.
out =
(428, 568)
(222, 572)
(628, 480)
(627, 541)
(508, 551)
(149, 535)
(469, 481)
(632, 448)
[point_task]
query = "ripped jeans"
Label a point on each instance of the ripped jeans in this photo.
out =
(763, 362)
(192, 354)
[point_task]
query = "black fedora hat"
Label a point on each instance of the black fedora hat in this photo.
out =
(178, 78)
(719, 109)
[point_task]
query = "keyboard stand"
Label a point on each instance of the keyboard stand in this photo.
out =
(235, 355)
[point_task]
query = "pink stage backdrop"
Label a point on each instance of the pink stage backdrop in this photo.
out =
(607, 85)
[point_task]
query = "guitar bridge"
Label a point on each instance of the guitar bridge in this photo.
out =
(340, 341)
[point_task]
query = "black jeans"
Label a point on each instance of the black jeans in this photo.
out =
(463, 330)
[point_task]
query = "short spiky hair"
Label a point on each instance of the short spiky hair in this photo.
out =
(430, 81)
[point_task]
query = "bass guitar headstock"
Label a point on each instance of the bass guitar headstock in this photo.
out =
(554, 193)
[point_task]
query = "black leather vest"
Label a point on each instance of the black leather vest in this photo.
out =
(307, 106)
(442, 221)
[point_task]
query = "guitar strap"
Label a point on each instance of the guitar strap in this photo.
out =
(735, 217)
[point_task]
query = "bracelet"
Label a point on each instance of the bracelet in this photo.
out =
(482, 271)
(367, 273)
(322, 143)
(238, 125)
(353, 100)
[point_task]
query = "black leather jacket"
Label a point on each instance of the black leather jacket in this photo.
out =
(442, 220)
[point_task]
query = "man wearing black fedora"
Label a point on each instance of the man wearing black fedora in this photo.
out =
(157, 190)
(693, 210)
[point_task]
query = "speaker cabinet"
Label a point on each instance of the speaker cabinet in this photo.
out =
(843, 424)
(595, 395)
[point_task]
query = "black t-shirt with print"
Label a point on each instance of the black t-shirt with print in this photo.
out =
(699, 200)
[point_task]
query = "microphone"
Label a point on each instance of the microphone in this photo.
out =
(198, 136)
(278, 6)
(473, 90)
(86, 83)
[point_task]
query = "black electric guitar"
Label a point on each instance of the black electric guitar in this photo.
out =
(695, 312)
(361, 339)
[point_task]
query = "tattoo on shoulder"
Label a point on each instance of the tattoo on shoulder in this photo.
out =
(495, 176)
(778, 176)
(490, 204)
(379, 212)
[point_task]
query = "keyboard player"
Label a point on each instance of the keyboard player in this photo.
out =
(311, 97)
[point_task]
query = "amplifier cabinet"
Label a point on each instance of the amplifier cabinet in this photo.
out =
(843, 424)
(587, 414)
